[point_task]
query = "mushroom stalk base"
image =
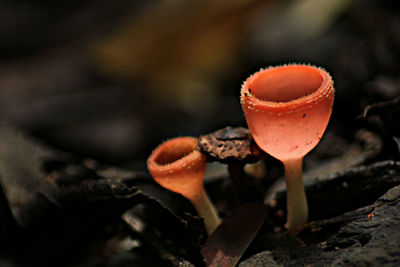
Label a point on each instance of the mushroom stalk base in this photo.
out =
(206, 209)
(297, 208)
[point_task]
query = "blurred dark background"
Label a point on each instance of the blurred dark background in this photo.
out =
(112, 79)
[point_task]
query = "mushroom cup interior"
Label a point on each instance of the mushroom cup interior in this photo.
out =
(179, 151)
(285, 84)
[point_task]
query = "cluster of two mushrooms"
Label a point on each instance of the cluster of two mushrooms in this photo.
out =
(287, 109)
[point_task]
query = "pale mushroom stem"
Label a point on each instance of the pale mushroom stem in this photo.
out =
(297, 208)
(206, 209)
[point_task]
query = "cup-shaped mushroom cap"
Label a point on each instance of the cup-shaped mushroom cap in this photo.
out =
(287, 108)
(178, 166)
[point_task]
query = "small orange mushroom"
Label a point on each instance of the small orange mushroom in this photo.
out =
(287, 109)
(177, 165)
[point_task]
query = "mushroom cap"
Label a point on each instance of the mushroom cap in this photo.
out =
(287, 108)
(178, 166)
(229, 145)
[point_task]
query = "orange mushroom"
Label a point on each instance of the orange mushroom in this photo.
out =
(178, 166)
(287, 109)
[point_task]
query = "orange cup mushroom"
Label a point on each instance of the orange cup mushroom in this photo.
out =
(287, 109)
(178, 166)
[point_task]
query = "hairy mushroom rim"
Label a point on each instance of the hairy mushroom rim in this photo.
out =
(287, 88)
(178, 149)
(284, 87)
